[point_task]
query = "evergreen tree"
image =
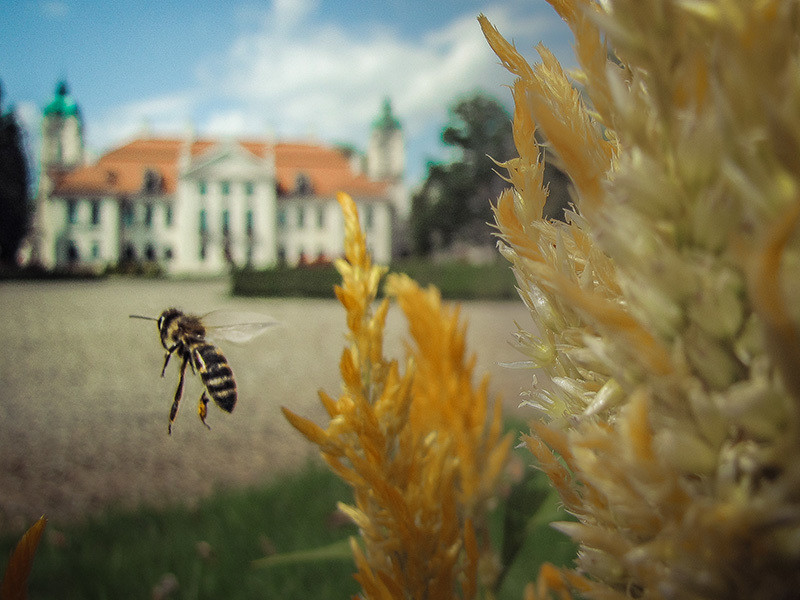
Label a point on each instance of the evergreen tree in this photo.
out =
(15, 209)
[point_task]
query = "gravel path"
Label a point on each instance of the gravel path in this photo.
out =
(83, 412)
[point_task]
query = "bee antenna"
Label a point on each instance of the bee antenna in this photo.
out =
(142, 317)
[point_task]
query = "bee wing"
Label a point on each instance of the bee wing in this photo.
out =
(236, 326)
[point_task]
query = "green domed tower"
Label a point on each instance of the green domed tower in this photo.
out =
(386, 156)
(61, 152)
(62, 132)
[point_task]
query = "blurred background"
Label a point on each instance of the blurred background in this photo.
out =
(157, 154)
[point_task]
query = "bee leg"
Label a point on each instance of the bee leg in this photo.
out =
(167, 357)
(178, 394)
(202, 409)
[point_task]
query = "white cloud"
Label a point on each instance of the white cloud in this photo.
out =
(289, 13)
(301, 75)
(293, 73)
(168, 114)
(54, 9)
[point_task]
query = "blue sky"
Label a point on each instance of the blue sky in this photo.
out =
(299, 70)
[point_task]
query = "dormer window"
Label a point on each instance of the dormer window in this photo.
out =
(151, 182)
(302, 184)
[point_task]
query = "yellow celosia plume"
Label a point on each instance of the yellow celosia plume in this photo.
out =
(420, 446)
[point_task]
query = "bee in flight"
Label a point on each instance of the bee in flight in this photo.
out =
(185, 336)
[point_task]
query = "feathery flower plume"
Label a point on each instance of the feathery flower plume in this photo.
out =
(420, 446)
(664, 308)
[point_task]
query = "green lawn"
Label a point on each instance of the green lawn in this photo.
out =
(209, 550)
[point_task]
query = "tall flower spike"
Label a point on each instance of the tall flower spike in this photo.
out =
(420, 447)
(662, 310)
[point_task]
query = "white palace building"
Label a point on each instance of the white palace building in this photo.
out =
(201, 206)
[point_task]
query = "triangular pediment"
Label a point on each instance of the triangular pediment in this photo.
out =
(228, 159)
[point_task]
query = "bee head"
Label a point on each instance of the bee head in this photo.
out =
(164, 322)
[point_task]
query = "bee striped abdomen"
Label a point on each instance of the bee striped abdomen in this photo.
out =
(216, 374)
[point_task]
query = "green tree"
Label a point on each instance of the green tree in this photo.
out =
(15, 206)
(454, 203)
(454, 200)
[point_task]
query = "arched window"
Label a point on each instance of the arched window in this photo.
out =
(73, 255)
(128, 253)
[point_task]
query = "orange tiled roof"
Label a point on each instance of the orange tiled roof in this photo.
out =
(121, 171)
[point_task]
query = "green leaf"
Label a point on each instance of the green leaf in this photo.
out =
(339, 550)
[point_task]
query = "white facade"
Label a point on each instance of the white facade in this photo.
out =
(225, 212)
(312, 229)
(202, 206)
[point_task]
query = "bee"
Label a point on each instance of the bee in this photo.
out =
(185, 336)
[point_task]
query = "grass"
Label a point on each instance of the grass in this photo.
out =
(208, 551)
(456, 280)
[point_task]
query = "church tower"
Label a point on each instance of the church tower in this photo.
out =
(386, 156)
(62, 132)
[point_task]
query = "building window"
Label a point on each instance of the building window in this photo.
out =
(150, 252)
(226, 222)
(202, 187)
(95, 250)
(168, 215)
(321, 217)
(148, 215)
(73, 255)
(249, 187)
(369, 216)
(248, 224)
(72, 211)
(301, 217)
(225, 187)
(96, 212)
(127, 214)
(281, 218)
(129, 253)
(203, 233)
(167, 253)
